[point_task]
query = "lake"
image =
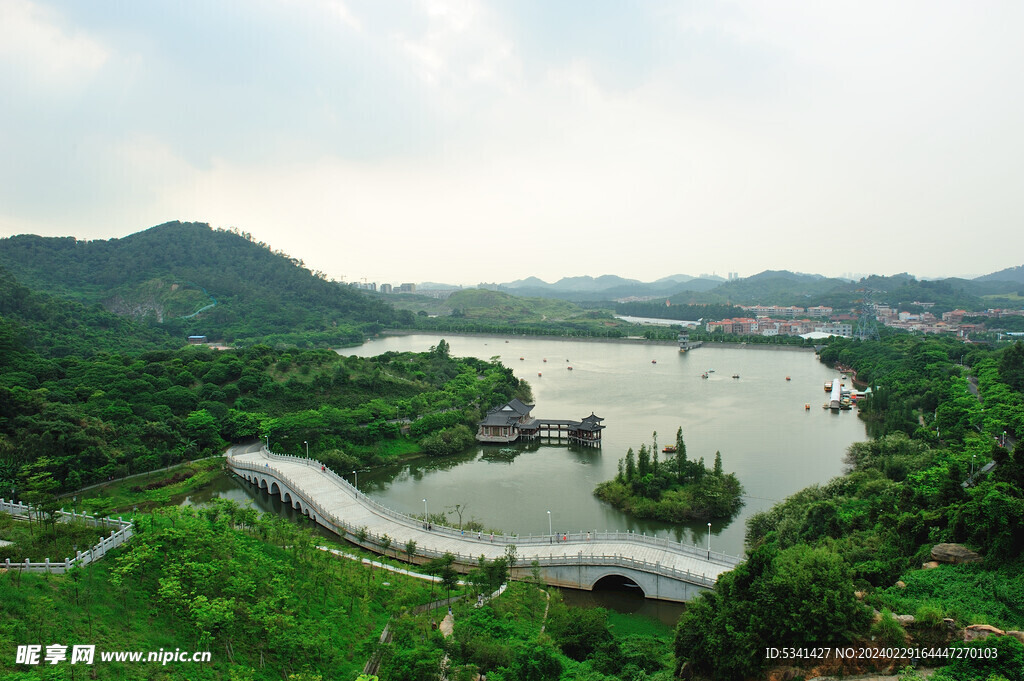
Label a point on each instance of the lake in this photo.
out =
(757, 421)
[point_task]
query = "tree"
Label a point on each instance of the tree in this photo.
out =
(385, 544)
(511, 556)
(643, 466)
(449, 577)
(458, 509)
(203, 428)
(681, 462)
(410, 548)
(1011, 366)
(792, 597)
(630, 465)
(718, 464)
(654, 454)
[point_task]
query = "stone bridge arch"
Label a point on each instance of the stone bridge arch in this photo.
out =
(613, 579)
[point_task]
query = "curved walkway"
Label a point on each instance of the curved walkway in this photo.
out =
(332, 500)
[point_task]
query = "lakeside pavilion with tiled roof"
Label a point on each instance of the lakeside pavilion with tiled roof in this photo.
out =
(513, 421)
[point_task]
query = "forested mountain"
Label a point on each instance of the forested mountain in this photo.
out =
(1014, 274)
(241, 289)
(54, 327)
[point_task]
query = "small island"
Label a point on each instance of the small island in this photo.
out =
(675, 489)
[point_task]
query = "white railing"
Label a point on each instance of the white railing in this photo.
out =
(121, 533)
(581, 538)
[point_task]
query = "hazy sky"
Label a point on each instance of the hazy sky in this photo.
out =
(488, 141)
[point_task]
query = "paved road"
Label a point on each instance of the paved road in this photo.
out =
(338, 498)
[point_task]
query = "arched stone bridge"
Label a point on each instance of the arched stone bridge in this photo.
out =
(663, 569)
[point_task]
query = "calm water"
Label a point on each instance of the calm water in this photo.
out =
(758, 422)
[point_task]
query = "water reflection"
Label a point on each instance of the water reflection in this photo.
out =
(758, 422)
(625, 600)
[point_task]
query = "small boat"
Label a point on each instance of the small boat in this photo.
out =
(669, 450)
(704, 375)
(735, 375)
(538, 373)
(521, 359)
(545, 359)
(569, 368)
(654, 361)
(828, 386)
(787, 378)
(711, 371)
(807, 405)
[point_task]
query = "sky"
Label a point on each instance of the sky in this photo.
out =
(465, 142)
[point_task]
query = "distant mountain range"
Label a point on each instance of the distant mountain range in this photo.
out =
(773, 287)
(607, 287)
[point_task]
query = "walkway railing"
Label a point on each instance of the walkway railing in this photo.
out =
(120, 533)
(577, 539)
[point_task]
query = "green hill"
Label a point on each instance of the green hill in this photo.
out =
(190, 279)
(496, 306)
(54, 327)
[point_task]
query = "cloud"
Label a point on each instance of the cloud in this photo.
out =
(38, 49)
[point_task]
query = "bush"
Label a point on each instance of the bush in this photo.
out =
(888, 630)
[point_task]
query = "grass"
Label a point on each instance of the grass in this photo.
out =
(38, 541)
(624, 624)
(970, 594)
(335, 606)
(386, 449)
(124, 495)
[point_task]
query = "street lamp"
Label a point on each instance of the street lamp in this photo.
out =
(424, 510)
(356, 478)
(973, 457)
(709, 541)
(268, 441)
(306, 442)
(1004, 439)
(550, 531)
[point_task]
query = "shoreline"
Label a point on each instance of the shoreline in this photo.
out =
(587, 339)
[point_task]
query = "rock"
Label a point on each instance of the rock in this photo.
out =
(930, 565)
(976, 632)
(1019, 635)
(950, 623)
(901, 584)
(905, 620)
(859, 595)
(954, 553)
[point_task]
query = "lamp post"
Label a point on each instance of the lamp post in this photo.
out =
(306, 442)
(424, 510)
(709, 541)
(1004, 439)
(356, 474)
(268, 441)
(973, 457)
(550, 531)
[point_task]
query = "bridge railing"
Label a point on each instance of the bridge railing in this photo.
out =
(581, 537)
(348, 530)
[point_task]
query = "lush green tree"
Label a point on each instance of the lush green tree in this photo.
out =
(797, 597)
